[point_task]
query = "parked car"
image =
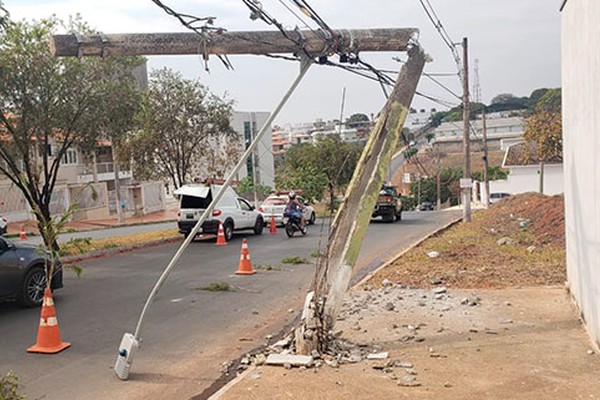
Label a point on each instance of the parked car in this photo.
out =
(23, 275)
(274, 206)
(426, 206)
(389, 205)
(232, 211)
(496, 197)
(3, 225)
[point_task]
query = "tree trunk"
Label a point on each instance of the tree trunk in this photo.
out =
(334, 270)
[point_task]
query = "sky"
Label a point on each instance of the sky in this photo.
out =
(516, 43)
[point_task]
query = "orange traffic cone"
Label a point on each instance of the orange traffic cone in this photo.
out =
(245, 267)
(272, 227)
(221, 236)
(22, 236)
(48, 338)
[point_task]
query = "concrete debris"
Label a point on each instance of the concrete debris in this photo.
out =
(260, 359)
(447, 384)
(378, 356)
(433, 254)
(294, 360)
(590, 352)
(408, 381)
(531, 249)
(386, 283)
(504, 241)
(404, 364)
(506, 321)
(437, 281)
(256, 375)
(440, 290)
(390, 306)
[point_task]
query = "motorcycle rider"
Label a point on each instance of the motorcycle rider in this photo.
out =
(294, 208)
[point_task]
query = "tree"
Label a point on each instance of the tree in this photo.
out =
(246, 188)
(357, 120)
(331, 160)
(543, 130)
(181, 125)
(49, 105)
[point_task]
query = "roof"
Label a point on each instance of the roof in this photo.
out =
(523, 154)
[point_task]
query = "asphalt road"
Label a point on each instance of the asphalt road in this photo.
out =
(189, 332)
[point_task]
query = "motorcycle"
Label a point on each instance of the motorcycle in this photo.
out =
(293, 224)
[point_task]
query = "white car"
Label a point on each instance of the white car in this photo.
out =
(274, 206)
(232, 211)
(3, 225)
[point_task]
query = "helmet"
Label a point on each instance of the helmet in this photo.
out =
(292, 195)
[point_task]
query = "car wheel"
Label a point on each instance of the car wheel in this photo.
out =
(32, 290)
(228, 230)
(258, 226)
(311, 220)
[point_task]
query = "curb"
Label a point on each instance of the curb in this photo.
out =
(118, 250)
(399, 254)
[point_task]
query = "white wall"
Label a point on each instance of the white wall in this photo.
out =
(265, 148)
(527, 179)
(581, 134)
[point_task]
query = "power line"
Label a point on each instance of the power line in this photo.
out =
(437, 24)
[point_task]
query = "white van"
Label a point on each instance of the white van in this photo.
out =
(232, 211)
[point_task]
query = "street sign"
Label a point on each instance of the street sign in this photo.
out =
(466, 183)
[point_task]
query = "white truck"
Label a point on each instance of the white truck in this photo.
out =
(232, 211)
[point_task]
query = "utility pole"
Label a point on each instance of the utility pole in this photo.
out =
(438, 181)
(486, 180)
(255, 159)
(466, 181)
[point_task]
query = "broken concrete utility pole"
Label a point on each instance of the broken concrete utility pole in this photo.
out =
(229, 43)
(334, 271)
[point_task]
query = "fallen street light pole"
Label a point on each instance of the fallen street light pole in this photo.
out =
(130, 342)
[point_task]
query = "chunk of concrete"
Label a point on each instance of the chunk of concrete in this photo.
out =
(295, 360)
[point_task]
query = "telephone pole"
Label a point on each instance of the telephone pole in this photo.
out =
(466, 181)
(486, 179)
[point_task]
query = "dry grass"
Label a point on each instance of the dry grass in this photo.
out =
(94, 245)
(470, 257)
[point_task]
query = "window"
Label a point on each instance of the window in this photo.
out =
(70, 157)
(244, 205)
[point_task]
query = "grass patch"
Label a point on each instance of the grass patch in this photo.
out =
(269, 268)
(316, 254)
(92, 245)
(217, 287)
(295, 260)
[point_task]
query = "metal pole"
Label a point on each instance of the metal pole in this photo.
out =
(466, 189)
(304, 65)
(486, 178)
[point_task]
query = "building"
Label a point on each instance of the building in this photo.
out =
(261, 165)
(501, 132)
(581, 130)
(525, 176)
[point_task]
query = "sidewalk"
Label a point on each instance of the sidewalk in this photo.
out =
(89, 225)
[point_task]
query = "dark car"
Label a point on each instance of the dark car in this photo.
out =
(389, 205)
(22, 273)
(426, 206)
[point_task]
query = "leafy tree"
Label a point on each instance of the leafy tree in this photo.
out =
(49, 105)
(181, 124)
(543, 130)
(331, 160)
(429, 136)
(308, 179)
(356, 120)
(550, 101)
(535, 96)
(494, 173)
(507, 102)
(4, 17)
(246, 188)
